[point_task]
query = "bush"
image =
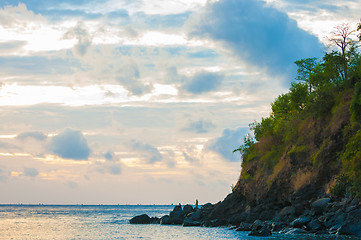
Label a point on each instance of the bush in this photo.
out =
(339, 189)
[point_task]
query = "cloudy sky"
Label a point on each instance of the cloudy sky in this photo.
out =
(143, 101)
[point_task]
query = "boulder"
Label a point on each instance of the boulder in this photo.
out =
(352, 225)
(187, 209)
(176, 216)
(287, 211)
(165, 220)
(257, 225)
(244, 227)
(195, 215)
(320, 205)
(141, 219)
(315, 225)
(300, 222)
(337, 219)
(278, 226)
(154, 220)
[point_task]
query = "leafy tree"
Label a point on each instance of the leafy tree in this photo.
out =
(281, 107)
(305, 70)
(245, 148)
(298, 96)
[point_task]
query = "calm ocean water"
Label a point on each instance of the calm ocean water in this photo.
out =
(104, 222)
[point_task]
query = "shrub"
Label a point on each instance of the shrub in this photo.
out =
(339, 189)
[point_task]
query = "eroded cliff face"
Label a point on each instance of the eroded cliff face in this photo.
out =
(307, 168)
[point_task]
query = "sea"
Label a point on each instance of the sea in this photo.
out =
(108, 222)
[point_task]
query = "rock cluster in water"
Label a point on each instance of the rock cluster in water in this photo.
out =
(322, 216)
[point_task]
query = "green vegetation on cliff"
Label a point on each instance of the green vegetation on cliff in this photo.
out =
(313, 135)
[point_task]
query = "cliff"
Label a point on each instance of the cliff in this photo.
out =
(307, 150)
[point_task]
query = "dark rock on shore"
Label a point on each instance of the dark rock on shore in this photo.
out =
(244, 227)
(141, 219)
(187, 209)
(320, 216)
(301, 222)
(352, 225)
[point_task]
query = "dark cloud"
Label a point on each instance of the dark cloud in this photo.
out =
(230, 140)
(260, 35)
(150, 153)
(202, 82)
(200, 126)
(31, 172)
(35, 135)
(70, 144)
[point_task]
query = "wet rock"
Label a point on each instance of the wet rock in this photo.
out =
(296, 231)
(352, 225)
(187, 209)
(165, 220)
(141, 219)
(278, 226)
(154, 220)
(336, 220)
(257, 225)
(195, 215)
(176, 216)
(244, 227)
(315, 225)
(320, 205)
(300, 222)
(263, 232)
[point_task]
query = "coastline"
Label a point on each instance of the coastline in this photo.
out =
(324, 216)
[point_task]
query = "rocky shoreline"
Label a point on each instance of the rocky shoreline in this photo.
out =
(322, 216)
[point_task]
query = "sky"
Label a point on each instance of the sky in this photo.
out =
(143, 101)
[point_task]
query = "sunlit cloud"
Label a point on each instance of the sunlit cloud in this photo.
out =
(105, 95)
